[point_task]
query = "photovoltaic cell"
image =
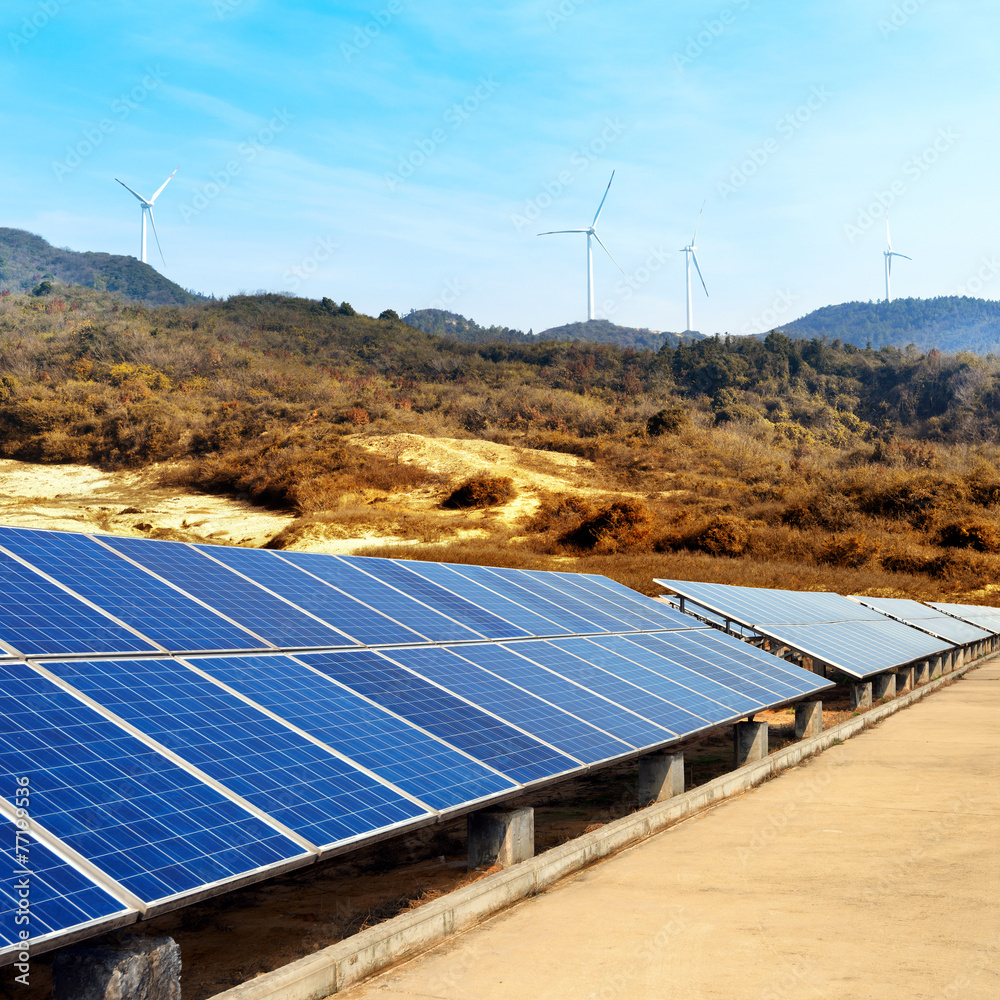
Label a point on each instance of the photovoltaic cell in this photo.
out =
(144, 821)
(544, 721)
(363, 624)
(985, 617)
(62, 898)
(39, 618)
(267, 616)
(414, 615)
(133, 596)
(929, 619)
(412, 584)
(630, 617)
(660, 613)
(395, 750)
(487, 739)
(301, 785)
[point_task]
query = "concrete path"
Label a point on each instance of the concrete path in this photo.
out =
(871, 871)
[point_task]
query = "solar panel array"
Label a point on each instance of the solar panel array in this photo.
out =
(855, 639)
(192, 718)
(986, 618)
(929, 619)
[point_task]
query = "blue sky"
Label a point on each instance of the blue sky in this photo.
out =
(405, 153)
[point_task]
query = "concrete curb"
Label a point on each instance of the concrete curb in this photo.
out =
(362, 955)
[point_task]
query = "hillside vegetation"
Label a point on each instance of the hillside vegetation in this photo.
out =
(775, 462)
(26, 260)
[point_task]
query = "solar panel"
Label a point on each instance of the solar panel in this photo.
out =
(984, 617)
(319, 796)
(621, 596)
(156, 610)
(148, 824)
(858, 640)
(275, 620)
(64, 902)
(928, 619)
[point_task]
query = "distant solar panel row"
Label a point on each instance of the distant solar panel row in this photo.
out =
(984, 617)
(856, 639)
(930, 619)
(159, 778)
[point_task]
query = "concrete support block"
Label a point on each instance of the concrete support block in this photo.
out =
(884, 686)
(502, 837)
(808, 719)
(937, 667)
(922, 672)
(749, 742)
(661, 775)
(138, 968)
(904, 680)
(861, 695)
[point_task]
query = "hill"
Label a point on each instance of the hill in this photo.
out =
(26, 260)
(949, 323)
(595, 331)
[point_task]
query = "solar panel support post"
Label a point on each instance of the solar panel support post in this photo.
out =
(661, 776)
(808, 719)
(884, 685)
(148, 967)
(937, 667)
(749, 742)
(904, 680)
(861, 695)
(921, 672)
(501, 837)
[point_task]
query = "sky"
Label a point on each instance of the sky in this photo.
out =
(405, 154)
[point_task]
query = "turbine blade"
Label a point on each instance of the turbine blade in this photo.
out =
(888, 264)
(888, 238)
(599, 207)
(694, 257)
(127, 188)
(903, 255)
(157, 238)
(608, 252)
(698, 223)
(163, 185)
(553, 232)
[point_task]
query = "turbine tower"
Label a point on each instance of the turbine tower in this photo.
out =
(690, 255)
(889, 253)
(147, 209)
(591, 232)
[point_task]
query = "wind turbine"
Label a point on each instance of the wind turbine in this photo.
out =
(147, 209)
(591, 232)
(889, 254)
(689, 255)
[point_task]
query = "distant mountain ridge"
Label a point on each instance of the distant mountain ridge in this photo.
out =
(27, 259)
(950, 324)
(598, 331)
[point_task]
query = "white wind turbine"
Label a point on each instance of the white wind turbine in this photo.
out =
(889, 253)
(689, 255)
(147, 209)
(591, 232)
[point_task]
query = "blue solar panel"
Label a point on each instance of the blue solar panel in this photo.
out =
(301, 785)
(398, 575)
(632, 617)
(144, 821)
(62, 899)
(423, 620)
(451, 578)
(929, 619)
(519, 666)
(984, 617)
(133, 596)
(38, 618)
(662, 615)
(464, 726)
(363, 624)
(544, 721)
(418, 763)
(268, 616)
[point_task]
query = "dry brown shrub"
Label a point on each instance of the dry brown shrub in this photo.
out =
(668, 420)
(481, 491)
(828, 509)
(357, 416)
(970, 533)
(983, 484)
(722, 536)
(849, 550)
(561, 513)
(901, 557)
(621, 525)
